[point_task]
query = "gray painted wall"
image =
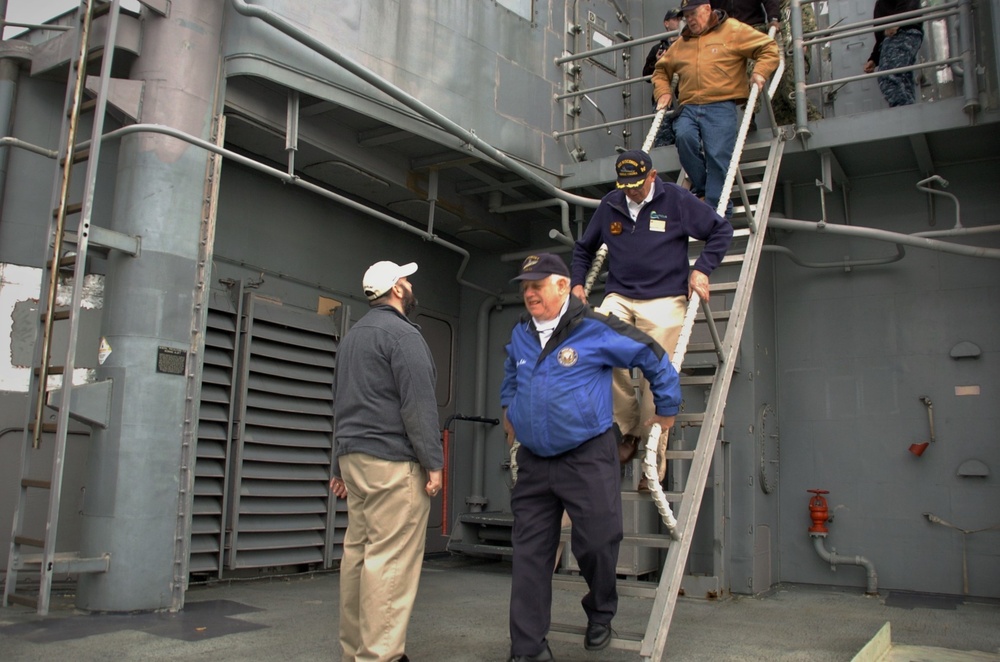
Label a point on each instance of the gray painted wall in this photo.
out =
(856, 350)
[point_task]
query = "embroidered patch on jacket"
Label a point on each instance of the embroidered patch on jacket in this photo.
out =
(567, 357)
(616, 227)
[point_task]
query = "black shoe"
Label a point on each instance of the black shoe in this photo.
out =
(544, 656)
(598, 636)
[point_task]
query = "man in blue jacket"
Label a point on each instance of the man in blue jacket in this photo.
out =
(556, 396)
(646, 224)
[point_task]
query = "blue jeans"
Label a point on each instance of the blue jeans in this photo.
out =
(705, 136)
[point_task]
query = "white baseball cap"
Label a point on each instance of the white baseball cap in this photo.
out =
(381, 276)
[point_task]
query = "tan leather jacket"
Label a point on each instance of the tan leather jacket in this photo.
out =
(712, 66)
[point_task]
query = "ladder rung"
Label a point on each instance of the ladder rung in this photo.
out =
(700, 347)
(88, 105)
(67, 260)
(46, 427)
(753, 165)
(71, 209)
(21, 599)
(81, 156)
(635, 588)
(96, 54)
(692, 420)
(717, 315)
(67, 562)
(574, 633)
(697, 380)
(679, 455)
(62, 314)
(30, 542)
(100, 9)
(730, 258)
(35, 482)
(672, 497)
(723, 287)
(53, 370)
(658, 540)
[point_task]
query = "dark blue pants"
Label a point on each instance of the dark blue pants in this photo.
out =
(900, 50)
(586, 483)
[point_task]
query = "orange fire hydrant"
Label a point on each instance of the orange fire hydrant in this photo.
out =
(818, 512)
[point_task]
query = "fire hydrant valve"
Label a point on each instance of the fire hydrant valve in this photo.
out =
(818, 512)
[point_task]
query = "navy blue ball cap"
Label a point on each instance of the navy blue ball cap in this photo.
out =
(687, 5)
(632, 168)
(542, 265)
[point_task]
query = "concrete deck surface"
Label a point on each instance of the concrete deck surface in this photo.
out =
(461, 615)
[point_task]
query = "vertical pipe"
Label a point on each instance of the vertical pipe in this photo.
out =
(8, 94)
(135, 476)
(8, 89)
(477, 499)
(799, 62)
(969, 87)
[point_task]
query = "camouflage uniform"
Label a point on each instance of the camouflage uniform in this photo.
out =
(899, 50)
(783, 101)
(784, 97)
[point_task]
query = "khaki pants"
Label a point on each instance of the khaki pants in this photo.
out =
(387, 511)
(662, 320)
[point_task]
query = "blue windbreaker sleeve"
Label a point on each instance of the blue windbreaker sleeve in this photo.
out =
(509, 386)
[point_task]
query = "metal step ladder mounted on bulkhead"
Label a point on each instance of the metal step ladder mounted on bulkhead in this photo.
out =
(753, 171)
(68, 251)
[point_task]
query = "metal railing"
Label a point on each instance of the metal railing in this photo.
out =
(962, 9)
(959, 11)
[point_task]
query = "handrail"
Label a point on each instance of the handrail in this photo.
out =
(885, 21)
(800, 40)
(572, 57)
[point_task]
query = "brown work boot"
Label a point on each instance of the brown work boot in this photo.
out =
(628, 448)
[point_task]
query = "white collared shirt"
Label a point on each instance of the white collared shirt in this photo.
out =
(635, 207)
(545, 329)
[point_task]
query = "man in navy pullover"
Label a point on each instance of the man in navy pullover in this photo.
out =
(556, 396)
(646, 224)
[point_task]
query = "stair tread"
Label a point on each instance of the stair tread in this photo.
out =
(496, 518)
(575, 633)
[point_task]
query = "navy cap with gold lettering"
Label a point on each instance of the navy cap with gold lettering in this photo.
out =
(632, 168)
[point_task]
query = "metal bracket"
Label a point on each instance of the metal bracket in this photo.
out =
(88, 403)
(161, 7)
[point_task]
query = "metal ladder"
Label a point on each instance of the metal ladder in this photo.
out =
(753, 171)
(68, 250)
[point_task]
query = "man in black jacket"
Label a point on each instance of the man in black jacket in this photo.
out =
(387, 463)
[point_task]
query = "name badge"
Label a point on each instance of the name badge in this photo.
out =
(657, 225)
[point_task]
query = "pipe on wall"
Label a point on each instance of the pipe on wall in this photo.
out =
(834, 559)
(370, 77)
(884, 235)
(296, 181)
